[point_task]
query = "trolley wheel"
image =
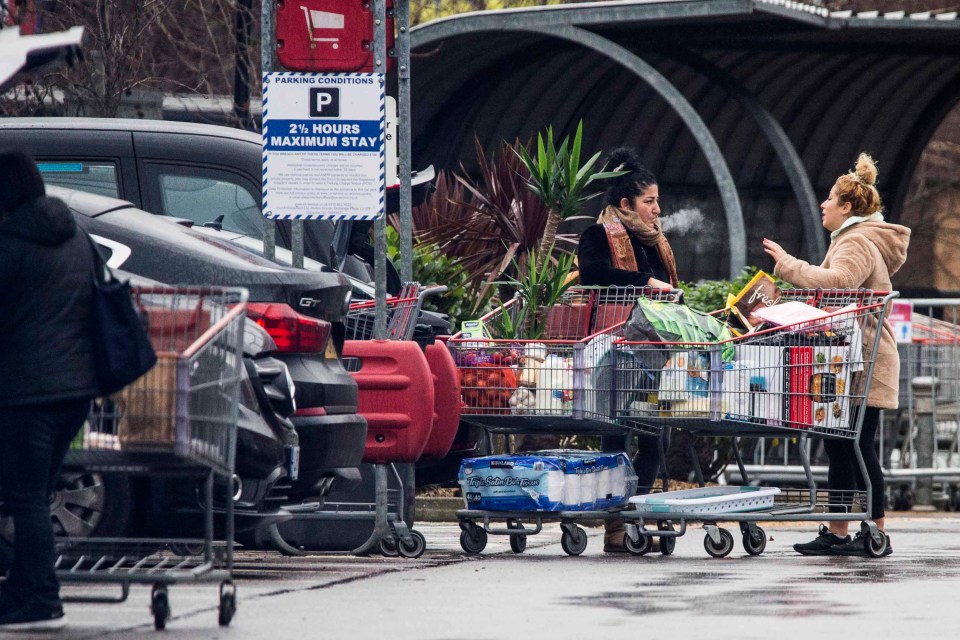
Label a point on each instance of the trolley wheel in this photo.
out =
(518, 543)
(281, 545)
(722, 549)
(473, 540)
(159, 606)
(574, 543)
(755, 544)
(667, 544)
(228, 603)
(388, 547)
(414, 548)
(873, 547)
(639, 548)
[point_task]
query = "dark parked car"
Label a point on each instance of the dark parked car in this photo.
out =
(301, 310)
(189, 171)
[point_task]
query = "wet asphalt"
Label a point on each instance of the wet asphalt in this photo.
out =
(544, 593)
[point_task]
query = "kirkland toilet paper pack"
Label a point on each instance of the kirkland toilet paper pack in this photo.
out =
(548, 481)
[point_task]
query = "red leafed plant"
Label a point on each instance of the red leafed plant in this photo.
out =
(491, 223)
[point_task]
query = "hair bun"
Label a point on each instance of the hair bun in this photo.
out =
(866, 170)
(624, 156)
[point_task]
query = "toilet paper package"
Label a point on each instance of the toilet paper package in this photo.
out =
(600, 480)
(513, 483)
(548, 481)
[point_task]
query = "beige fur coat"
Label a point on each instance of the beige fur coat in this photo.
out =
(863, 255)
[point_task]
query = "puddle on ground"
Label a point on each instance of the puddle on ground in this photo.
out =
(882, 570)
(796, 603)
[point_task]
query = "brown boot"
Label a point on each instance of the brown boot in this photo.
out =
(613, 537)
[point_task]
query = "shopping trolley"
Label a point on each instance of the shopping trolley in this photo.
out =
(561, 379)
(921, 444)
(178, 420)
(394, 441)
(806, 379)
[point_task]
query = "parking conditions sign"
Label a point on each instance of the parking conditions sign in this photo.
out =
(323, 146)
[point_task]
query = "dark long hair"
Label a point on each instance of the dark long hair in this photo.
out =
(629, 185)
(20, 181)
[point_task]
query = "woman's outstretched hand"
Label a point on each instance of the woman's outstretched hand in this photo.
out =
(773, 250)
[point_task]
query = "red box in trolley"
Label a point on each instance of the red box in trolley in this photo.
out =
(526, 370)
(810, 375)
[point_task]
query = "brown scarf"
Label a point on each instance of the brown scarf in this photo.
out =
(616, 221)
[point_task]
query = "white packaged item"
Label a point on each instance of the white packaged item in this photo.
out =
(554, 394)
(685, 376)
(736, 394)
(764, 366)
(707, 501)
(533, 356)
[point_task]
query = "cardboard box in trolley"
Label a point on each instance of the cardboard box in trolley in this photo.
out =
(820, 386)
(147, 408)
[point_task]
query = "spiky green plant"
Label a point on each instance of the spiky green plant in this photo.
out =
(559, 180)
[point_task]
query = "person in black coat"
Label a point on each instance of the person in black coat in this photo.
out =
(627, 248)
(46, 378)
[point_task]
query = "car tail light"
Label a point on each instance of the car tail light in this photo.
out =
(293, 332)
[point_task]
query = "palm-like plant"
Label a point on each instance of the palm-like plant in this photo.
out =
(540, 289)
(559, 180)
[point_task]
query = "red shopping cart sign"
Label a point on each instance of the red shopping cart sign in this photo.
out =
(328, 35)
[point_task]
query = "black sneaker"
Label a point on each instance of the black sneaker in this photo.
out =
(33, 618)
(9, 601)
(822, 544)
(856, 547)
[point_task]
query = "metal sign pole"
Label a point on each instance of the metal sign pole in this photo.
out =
(267, 44)
(380, 225)
(402, 9)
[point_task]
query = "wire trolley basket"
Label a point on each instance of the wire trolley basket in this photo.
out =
(402, 313)
(178, 420)
(809, 376)
(559, 374)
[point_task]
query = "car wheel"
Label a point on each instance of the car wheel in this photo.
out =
(86, 505)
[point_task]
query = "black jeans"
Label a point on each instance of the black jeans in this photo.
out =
(647, 460)
(33, 442)
(843, 473)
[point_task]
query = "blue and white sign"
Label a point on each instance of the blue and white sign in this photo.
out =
(323, 146)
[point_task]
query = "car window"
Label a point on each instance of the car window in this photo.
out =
(98, 177)
(206, 194)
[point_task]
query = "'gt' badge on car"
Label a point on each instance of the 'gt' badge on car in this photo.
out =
(309, 302)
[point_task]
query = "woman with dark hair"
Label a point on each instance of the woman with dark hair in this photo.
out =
(864, 252)
(46, 378)
(627, 248)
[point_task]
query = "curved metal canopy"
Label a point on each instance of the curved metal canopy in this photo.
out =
(790, 95)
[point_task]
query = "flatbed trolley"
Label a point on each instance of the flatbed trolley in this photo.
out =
(563, 381)
(178, 420)
(806, 379)
(390, 536)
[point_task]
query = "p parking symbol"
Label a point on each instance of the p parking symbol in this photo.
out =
(325, 102)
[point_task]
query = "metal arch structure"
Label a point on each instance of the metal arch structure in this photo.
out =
(779, 140)
(728, 189)
(789, 93)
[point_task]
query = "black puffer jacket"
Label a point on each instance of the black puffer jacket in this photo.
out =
(596, 263)
(46, 291)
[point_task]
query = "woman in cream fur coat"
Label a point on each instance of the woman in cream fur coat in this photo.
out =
(865, 251)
